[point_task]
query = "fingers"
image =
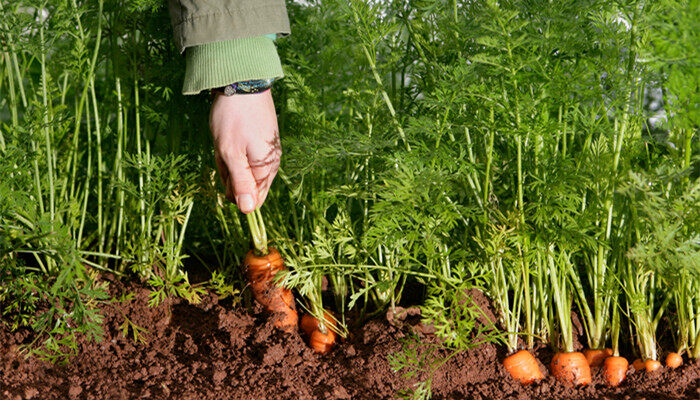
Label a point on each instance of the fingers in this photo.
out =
(264, 158)
(245, 133)
(264, 175)
(241, 186)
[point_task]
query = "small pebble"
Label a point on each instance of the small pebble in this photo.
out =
(219, 376)
(350, 351)
(30, 393)
(75, 391)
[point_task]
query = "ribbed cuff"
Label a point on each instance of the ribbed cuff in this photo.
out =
(218, 64)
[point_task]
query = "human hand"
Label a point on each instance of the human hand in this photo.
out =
(247, 146)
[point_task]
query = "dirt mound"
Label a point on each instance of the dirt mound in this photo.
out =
(214, 351)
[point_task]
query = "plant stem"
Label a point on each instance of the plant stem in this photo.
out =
(142, 201)
(47, 132)
(489, 157)
(258, 232)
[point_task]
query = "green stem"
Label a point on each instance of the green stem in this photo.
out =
(98, 150)
(137, 127)
(527, 298)
(88, 176)
(521, 207)
(258, 232)
(615, 331)
(562, 303)
(489, 157)
(47, 133)
(121, 132)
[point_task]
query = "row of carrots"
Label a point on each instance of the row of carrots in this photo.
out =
(575, 367)
(262, 265)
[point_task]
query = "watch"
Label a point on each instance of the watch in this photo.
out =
(245, 87)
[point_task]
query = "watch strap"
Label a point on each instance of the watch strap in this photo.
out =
(245, 87)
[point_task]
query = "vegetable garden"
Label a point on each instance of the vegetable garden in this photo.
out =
(477, 199)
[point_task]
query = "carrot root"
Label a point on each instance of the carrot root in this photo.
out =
(523, 367)
(638, 364)
(652, 365)
(260, 271)
(615, 370)
(596, 357)
(571, 368)
(320, 342)
(674, 360)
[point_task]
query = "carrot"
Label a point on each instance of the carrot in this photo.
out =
(615, 370)
(523, 367)
(674, 360)
(321, 336)
(652, 365)
(638, 364)
(260, 271)
(572, 368)
(262, 268)
(615, 367)
(595, 357)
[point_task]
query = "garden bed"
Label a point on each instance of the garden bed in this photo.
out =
(216, 350)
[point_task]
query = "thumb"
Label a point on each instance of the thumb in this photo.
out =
(243, 182)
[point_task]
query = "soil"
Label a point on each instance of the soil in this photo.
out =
(215, 350)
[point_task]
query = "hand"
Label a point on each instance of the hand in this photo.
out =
(247, 145)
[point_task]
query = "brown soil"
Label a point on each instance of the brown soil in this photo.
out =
(212, 350)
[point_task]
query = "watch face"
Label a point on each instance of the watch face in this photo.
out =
(229, 90)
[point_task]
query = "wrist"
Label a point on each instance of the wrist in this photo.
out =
(244, 87)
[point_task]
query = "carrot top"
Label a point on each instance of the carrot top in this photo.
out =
(258, 232)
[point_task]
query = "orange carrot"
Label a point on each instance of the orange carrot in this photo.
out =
(615, 370)
(263, 268)
(523, 367)
(674, 360)
(638, 364)
(320, 341)
(260, 271)
(595, 357)
(652, 365)
(572, 368)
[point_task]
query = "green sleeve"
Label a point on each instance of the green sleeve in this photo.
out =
(197, 22)
(218, 64)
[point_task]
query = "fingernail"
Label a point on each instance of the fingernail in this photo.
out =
(245, 202)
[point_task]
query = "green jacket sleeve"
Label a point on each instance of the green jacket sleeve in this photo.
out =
(217, 64)
(228, 41)
(198, 22)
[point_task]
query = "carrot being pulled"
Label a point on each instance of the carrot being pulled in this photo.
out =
(261, 265)
(523, 367)
(320, 333)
